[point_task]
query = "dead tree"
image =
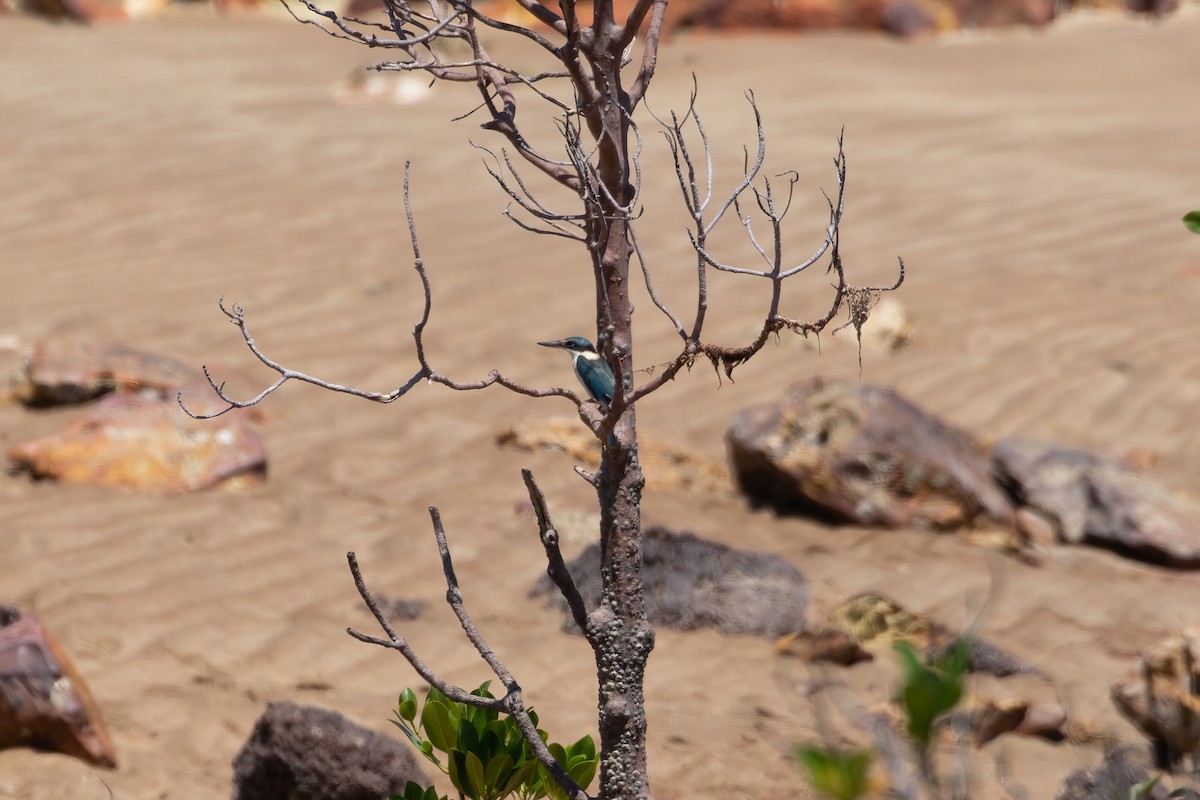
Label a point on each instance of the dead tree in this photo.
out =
(594, 100)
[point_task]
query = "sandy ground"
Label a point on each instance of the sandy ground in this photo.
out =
(1033, 182)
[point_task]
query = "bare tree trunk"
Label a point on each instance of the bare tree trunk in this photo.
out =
(623, 635)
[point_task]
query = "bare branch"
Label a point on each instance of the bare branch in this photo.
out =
(726, 359)
(556, 568)
(650, 54)
(455, 599)
(512, 702)
(425, 372)
(396, 642)
(637, 249)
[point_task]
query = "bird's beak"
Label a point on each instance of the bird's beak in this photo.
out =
(555, 343)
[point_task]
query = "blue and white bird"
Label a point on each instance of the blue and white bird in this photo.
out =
(590, 367)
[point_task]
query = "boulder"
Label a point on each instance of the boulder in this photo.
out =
(307, 753)
(691, 583)
(1092, 499)
(43, 701)
(862, 454)
(147, 443)
(1162, 698)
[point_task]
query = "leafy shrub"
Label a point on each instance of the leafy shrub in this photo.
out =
(484, 753)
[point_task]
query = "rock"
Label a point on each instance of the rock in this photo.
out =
(989, 718)
(1046, 721)
(1003, 13)
(305, 752)
(1035, 528)
(69, 369)
(691, 583)
(148, 443)
(874, 622)
(667, 468)
(1101, 501)
(862, 454)
(902, 17)
(43, 700)
(1161, 699)
(1121, 771)
(830, 646)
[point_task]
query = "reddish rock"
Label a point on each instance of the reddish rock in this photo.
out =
(147, 443)
(43, 701)
(69, 369)
(862, 454)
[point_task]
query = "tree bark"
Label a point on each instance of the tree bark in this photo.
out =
(620, 630)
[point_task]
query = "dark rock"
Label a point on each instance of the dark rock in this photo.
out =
(1121, 771)
(1101, 501)
(907, 19)
(862, 454)
(43, 700)
(306, 753)
(691, 583)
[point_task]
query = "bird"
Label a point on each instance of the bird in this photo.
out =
(590, 367)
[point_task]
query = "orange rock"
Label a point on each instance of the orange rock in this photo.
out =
(148, 443)
(43, 701)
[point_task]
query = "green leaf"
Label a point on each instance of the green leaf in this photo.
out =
(584, 771)
(409, 732)
(475, 775)
(439, 725)
(910, 659)
(524, 774)
(498, 771)
(835, 773)
(407, 709)
(458, 773)
(1192, 221)
(1143, 789)
(468, 738)
(412, 791)
(585, 746)
(930, 690)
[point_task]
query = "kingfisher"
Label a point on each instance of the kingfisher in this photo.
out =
(590, 367)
